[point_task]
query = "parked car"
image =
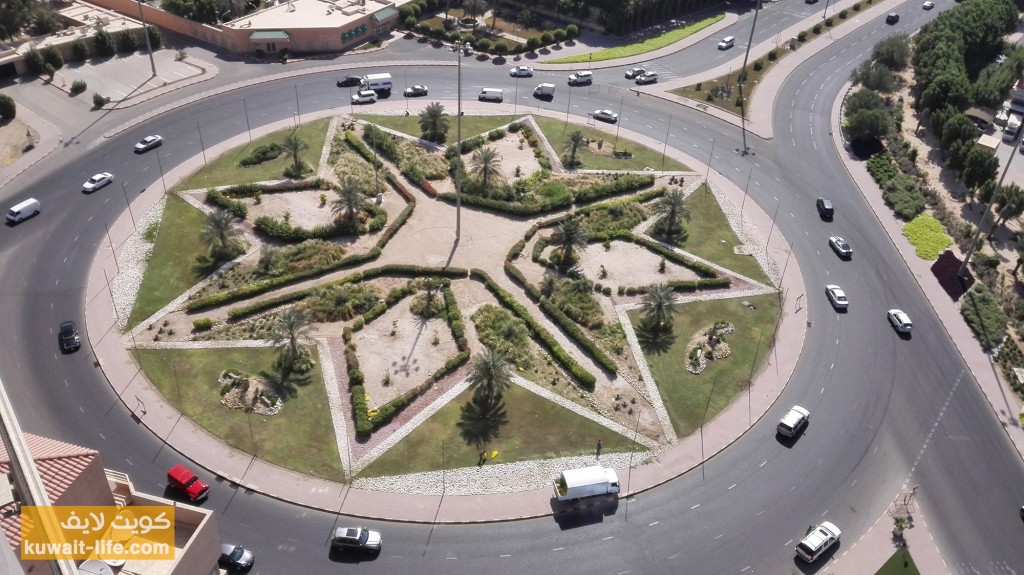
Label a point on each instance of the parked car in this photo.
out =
(98, 181)
(837, 296)
(417, 90)
(818, 541)
(356, 538)
(349, 81)
(148, 143)
(634, 72)
(605, 115)
(235, 557)
(647, 78)
(181, 478)
(69, 339)
(900, 320)
(892, 18)
(841, 247)
(825, 208)
(364, 97)
(521, 72)
(794, 421)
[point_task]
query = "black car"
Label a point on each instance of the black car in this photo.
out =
(349, 81)
(69, 340)
(235, 558)
(825, 208)
(892, 18)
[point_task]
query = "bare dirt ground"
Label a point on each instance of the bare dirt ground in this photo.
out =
(14, 137)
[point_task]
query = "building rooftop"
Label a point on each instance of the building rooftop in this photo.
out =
(291, 14)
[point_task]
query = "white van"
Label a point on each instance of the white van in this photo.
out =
(727, 42)
(581, 78)
(23, 211)
(492, 94)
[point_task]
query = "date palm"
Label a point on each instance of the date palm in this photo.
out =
(568, 237)
(293, 146)
(350, 199)
(290, 330)
(1019, 246)
(660, 307)
(434, 122)
(220, 234)
(486, 163)
(672, 209)
(573, 141)
(490, 376)
(474, 8)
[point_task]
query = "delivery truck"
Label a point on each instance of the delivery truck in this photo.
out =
(377, 82)
(1012, 129)
(575, 484)
(544, 91)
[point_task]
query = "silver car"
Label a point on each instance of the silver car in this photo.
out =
(357, 538)
(837, 296)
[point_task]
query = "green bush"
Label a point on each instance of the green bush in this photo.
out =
(904, 195)
(356, 144)
(496, 134)
(34, 61)
(53, 57)
(758, 65)
(79, 50)
(816, 29)
(156, 41)
(363, 426)
(237, 208)
(829, 22)
(8, 108)
(801, 37)
(773, 54)
(927, 236)
(127, 41)
(104, 43)
(77, 87)
(856, 7)
(984, 316)
(261, 154)
(99, 100)
(202, 324)
(843, 14)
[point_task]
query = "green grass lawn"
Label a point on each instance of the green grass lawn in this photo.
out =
(685, 395)
(901, 563)
(642, 47)
(928, 236)
(300, 437)
(536, 429)
(172, 268)
(224, 169)
(556, 132)
(471, 125)
(710, 237)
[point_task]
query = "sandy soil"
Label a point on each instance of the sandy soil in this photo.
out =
(14, 136)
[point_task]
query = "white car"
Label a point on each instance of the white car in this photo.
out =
(605, 115)
(148, 143)
(634, 72)
(98, 181)
(837, 296)
(649, 77)
(417, 90)
(928, 5)
(900, 320)
(793, 422)
(521, 72)
(841, 247)
(818, 541)
(364, 97)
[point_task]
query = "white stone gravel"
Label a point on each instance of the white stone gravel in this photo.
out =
(131, 263)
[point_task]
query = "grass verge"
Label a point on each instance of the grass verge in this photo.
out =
(901, 563)
(172, 267)
(536, 429)
(471, 125)
(928, 236)
(710, 237)
(685, 394)
(643, 157)
(224, 169)
(300, 437)
(642, 47)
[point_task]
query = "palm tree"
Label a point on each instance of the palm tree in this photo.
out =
(1019, 246)
(350, 199)
(573, 142)
(1009, 205)
(293, 146)
(569, 236)
(290, 330)
(660, 306)
(491, 375)
(220, 234)
(486, 163)
(672, 208)
(434, 122)
(474, 8)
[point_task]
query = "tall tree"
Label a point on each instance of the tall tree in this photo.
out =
(980, 166)
(486, 163)
(1009, 205)
(568, 237)
(659, 306)
(491, 375)
(293, 146)
(434, 122)
(573, 141)
(220, 235)
(672, 209)
(1019, 247)
(350, 199)
(290, 330)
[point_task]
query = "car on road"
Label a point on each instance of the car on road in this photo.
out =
(634, 72)
(417, 90)
(837, 296)
(182, 479)
(794, 420)
(98, 181)
(647, 78)
(235, 558)
(818, 541)
(349, 81)
(727, 42)
(900, 320)
(841, 247)
(356, 538)
(364, 97)
(583, 78)
(69, 339)
(892, 18)
(605, 116)
(521, 72)
(928, 5)
(148, 143)
(825, 208)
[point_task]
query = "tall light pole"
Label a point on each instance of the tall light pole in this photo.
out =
(743, 78)
(458, 146)
(617, 120)
(145, 34)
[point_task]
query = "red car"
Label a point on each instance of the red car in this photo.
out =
(180, 478)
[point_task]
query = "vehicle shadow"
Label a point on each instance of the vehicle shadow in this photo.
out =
(821, 563)
(570, 515)
(350, 557)
(789, 442)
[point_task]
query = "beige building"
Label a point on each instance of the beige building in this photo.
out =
(74, 475)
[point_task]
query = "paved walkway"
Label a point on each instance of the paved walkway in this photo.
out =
(863, 555)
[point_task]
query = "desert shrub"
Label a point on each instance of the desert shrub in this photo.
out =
(53, 57)
(156, 41)
(104, 43)
(237, 208)
(127, 41)
(34, 61)
(758, 65)
(801, 37)
(984, 316)
(496, 134)
(79, 50)
(77, 87)
(202, 324)
(99, 100)
(8, 109)
(261, 154)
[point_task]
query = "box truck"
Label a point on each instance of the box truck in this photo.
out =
(575, 484)
(544, 91)
(1012, 129)
(377, 82)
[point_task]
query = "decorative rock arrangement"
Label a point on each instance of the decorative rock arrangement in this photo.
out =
(240, 390)
(708, 342)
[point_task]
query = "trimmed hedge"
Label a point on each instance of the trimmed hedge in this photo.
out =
(356, 144)
(582, 376)
(202, 324)
(235, 207)
(270, 303)
(284, 231)
(621, 184)
(516, 251)
(454, 317)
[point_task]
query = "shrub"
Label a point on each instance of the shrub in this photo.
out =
(53, 57)
(99, 100)
(532, 43)
(261, 154)
(104, 43)
(801, 37)
(500, 47)
(127, 41)
(546, 38)
(496, 134)
(856, 7)
(773, 55)
(235, 207)
(34, 61)
(816, 29)
(8, 109)
(156, 41)
(829, 22)
(758, 65)
(77, 87)
(843, 14)
(483, 44)
(410, 21)
(572, 31)
(984, 316)
(79, 50)
(202, 324)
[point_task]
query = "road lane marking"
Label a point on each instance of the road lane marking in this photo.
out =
(695, 506)
(609, 537)
(653, 524)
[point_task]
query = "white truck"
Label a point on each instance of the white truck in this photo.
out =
(376, 82)
(575, 484)
(1012, 129)
(544, 91)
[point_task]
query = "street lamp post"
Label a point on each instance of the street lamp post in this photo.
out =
(124, 187)
(743, 78)
(145, 34)
(458, 146)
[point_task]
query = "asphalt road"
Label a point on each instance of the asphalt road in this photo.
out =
(885, 411)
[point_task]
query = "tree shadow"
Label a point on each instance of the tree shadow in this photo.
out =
(204, 265)
(656, 341)
(481, 420)
(286, 381)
